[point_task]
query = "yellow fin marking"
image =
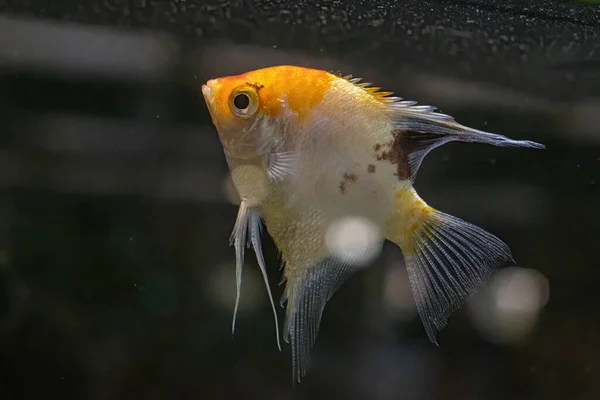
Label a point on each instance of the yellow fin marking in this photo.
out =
(411, 212)
(374, 91)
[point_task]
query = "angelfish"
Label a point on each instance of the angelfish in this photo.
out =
(306, 147)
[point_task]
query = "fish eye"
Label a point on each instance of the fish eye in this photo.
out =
(241, 101)
(244, 101)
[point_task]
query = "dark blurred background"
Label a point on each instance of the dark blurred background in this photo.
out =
(116, 279)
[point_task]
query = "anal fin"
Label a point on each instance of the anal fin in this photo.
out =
(306, 295)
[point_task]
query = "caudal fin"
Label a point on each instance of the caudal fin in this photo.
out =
(448, 261)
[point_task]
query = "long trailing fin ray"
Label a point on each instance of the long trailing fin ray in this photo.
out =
(449, 260)
(423, 130)
(255, 231)
(420, 133)
(238, 239)
(307, 295)
(248, 221)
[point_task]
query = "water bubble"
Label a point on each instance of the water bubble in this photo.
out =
(507, 310)
(221, 290)
(355, 240)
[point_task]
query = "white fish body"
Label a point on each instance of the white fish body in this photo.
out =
(309, 148)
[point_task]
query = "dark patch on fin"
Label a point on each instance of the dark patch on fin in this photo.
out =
(397, 153)
(410, 147)
(306, 295)
(421, 130)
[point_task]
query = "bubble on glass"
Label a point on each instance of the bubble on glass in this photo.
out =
(221, 290)
(354, 240)
(507, 310)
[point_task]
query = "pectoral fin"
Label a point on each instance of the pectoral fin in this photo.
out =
(280, 161)
(281, 164)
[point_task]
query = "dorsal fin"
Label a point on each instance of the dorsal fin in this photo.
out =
(421, 128)
(396, 103)
(374, 91)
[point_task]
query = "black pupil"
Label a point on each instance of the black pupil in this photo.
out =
(241, 101)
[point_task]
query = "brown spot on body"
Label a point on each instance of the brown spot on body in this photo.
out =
(255, 86)
(350, 177)
(347, 178)
(371, 168)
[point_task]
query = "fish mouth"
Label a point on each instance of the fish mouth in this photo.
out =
(208, 93)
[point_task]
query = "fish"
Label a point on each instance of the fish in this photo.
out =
(307, 147)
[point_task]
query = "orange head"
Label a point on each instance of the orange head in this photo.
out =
(240, 106)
